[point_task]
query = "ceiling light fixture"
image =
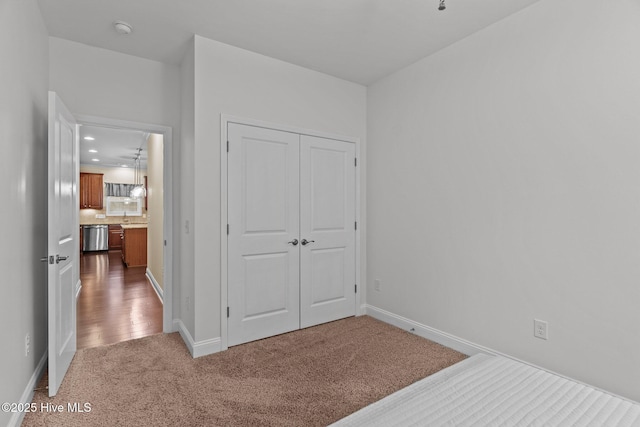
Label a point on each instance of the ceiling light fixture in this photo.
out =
(138, 190)
(95, 160)
(93, 151)
(123, 28)
(89, 138)
(442, 5)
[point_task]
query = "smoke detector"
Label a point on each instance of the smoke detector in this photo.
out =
(122, 27)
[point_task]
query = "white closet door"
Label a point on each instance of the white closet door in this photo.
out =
(327, 221)
(263, 268)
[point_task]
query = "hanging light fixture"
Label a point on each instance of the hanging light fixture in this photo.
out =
(442, 5)
(138, 190)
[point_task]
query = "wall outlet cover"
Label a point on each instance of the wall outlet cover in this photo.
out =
(27, 345)
(540, 329)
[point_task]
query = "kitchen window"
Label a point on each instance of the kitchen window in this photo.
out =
(124, 206)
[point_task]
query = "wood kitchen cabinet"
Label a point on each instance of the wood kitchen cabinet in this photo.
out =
(134, 247)
(115, 237)
(91, 190)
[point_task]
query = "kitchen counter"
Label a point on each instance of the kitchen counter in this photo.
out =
(134, 244)
(117, 221)
(130, 226)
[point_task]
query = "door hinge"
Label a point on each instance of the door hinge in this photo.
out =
(227, 229)
(227, 312)
(355, 162)
(227, 146)
(356, 288)
(165, 243)
(355, 225)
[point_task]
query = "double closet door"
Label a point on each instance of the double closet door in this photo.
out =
(291, 243)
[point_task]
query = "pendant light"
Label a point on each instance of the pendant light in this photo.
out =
(138, 190)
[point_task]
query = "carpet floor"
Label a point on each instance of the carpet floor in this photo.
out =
(310, 377)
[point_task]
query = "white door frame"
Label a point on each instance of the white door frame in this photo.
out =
(167, 133)
(225, 119)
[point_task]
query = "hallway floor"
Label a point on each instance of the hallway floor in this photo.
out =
(116, 303)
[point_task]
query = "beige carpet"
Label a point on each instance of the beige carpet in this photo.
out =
(310, 377)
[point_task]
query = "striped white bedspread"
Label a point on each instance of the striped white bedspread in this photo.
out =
(495, 391)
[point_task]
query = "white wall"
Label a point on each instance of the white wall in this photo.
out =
(505, 186)
(104, 83)
(23, 171)
(241, 83)
(113, 174)
(155, 214)
(184, 289)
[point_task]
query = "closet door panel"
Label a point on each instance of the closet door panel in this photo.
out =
(327, 222)
(263, 203)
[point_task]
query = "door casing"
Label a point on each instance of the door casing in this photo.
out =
(225, 119)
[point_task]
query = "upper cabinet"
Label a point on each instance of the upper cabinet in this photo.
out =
(91, 191)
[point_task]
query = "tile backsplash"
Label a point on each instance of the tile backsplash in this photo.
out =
(88, 216)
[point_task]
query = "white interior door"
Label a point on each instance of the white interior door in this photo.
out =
(263, 254)
(62, 238)
(327, 222)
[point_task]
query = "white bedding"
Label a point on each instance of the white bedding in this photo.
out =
(495, 391)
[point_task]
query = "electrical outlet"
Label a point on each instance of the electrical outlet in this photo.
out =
(540, 329)
(376, 285)
(27, 345)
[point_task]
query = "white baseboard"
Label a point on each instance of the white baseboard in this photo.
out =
(156, 285)
(427, 332)
(199, 348)
(27, 394)
(459, 344)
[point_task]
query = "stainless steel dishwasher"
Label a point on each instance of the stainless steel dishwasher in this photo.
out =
(95, 238)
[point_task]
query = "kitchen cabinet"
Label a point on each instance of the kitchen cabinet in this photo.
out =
(134, 246)
(91, 190)
(115, 237)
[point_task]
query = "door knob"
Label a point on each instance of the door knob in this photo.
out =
(294, 242)
(305, 242)
(60, 258)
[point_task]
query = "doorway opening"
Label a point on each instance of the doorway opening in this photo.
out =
(126, 275)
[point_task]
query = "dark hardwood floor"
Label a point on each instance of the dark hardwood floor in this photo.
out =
(116, 303)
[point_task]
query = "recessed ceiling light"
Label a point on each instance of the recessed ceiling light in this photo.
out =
(93, 151)
(95, 160)
(89, 138)
(124, 166)
(123, 28)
